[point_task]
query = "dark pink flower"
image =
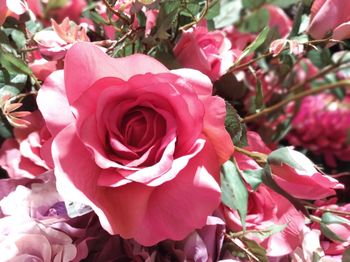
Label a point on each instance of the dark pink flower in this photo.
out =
(321, 126)
(140, 144)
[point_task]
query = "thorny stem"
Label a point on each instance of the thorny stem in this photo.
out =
(339, 212)
(324, 71)
(245, 250)
(115, 12)
(267, 110)
(241, 66)
(202, 15)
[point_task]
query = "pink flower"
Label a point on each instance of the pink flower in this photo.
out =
(330, 17)
(10, 7)
(322, 126)
(28, 154)
(53, 45)
(37, 199)
(208, 52)
(279, 20)
(140, 144)
(342, 230)
(151, 16)
(297, 175)
(266, 210)
(23, 239)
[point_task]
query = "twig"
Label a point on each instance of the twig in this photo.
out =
(202, 15)
(339, 212)
(267, 110)
(236, 67)
(115, 12)
(245, 250)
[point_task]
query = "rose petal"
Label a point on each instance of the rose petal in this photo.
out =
(78, 64)
(53, 104)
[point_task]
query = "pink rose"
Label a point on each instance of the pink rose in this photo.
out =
(330, 17)
(23, 239)
(297, 175)
(140, 144)
(208, 52)
(28, 154)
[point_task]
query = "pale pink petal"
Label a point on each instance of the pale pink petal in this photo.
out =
(53, 104)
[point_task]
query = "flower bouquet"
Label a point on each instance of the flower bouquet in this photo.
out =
(163, 130)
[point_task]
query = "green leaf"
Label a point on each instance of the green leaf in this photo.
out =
(283, 156)
(251, 4)
(259, 40)
(5, 131)
(267, 232)
(330, 218)
(320, 57)
(258, 251)
(229, 13)
(19, 38)
(53, 4)
(234, 192)
(329, 233)
(214, 10)
(14, 64)
(256, 21)
(167, 15)
(346, 255)
(253, 177)
(297, 20)
(235, 127)
(96, 18)
(283, 3)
